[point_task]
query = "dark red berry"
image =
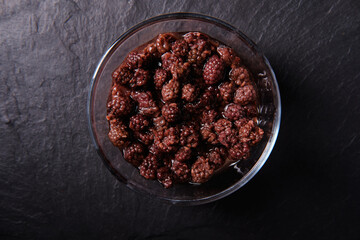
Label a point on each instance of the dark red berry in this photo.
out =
(240, 76)
(167, 140)
(138, 122)
(227, 91)
(228, 137)
(134, 154)
(181, 171)
(163, 42)
(141, 77)
(221, 125)
(170, 90)
(147, 105)
(249, 132)
(245, 95)
(239, 151)
(170, 111)
(119, 105)
(226, 54)
(122, 75)
(209, 116)
(149, 166)
(160, 77)
(165, 177)
(160, 123)
(213, 70)
(216, 157)
(183, 154)
(201, 170)
(145, 137)
(234, 112)
(189, 135)
(180, 48)
(118, 134)
(189, 92)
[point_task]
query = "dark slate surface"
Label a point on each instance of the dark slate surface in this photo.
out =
(53, 185)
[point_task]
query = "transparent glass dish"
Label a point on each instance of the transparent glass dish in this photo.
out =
(235, 176)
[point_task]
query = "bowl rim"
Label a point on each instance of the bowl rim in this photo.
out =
(275, 127)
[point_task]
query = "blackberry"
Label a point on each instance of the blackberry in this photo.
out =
(175, 64)
(146, 104)
(180, 70)
(215, 157)
(118, 134)
(198, 53)
(201, 170)
(213, 70)
(209, 116)
(168, 60)
(221, 125)
(149, 166)
(119, 105)
(245, 95)
(180, 48)
(155, 150)
(239, 151)
(226, 54)
(160, 77)
(208, 134)
(228, 137)
(138, 122)
(142, 59)
(249, 132)
(183, 154)
(151, 50)
(163, 42)
(170, 90)
(240, 76)
(241, 122)
(226, 90)
(189, 135)
(193, 37)
(181, 171)
(160, 123)
(116, 89)
(141, 77)
(245, 127)
(170, 111)
(189, 92)
(122, 75)
(134, 154)
(145, 137)
(169, 140)
(132, 60)
(165, 177)
(209, 97)
(234, 112)
(256, 136)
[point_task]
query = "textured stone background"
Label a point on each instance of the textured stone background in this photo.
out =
(53, 185)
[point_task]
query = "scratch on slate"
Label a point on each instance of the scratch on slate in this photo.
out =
(331, 8)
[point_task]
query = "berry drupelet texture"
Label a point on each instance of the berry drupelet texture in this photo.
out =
(213, 70)
(171, 112)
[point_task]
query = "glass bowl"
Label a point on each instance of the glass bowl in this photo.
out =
(235, 176)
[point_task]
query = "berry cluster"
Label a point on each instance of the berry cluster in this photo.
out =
(181, 107)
